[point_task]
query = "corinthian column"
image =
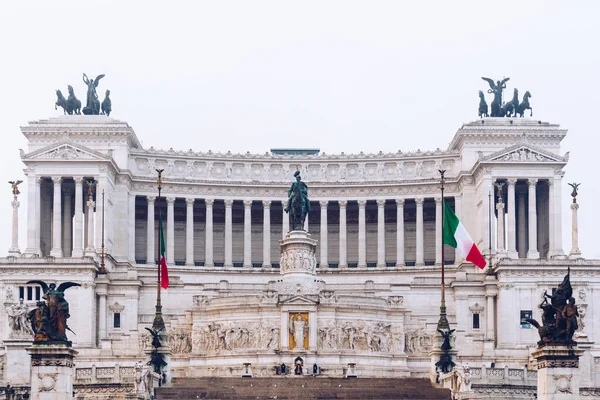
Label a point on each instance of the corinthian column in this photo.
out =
(533, 252)
(189, 232)
(285, 219)
(512, 219)
(500, 209)
(170, 231)
(362, 234)
(266, 233)
(14, 248)
(33, 222)
(324, 261)
(78, 218)
(150, 232)
(56, 219)
(67, 233)
(420, 249)
(343, 235)
(247, 233)
(400, 233)
(438, 231)
(380, 233)
(575, 252)
(228, 234)
(209, 262)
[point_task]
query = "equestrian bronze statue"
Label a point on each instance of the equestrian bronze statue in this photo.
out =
(298, 203)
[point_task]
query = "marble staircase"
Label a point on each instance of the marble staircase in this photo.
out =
(290, 388)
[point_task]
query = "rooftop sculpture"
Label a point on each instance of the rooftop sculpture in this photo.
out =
(500, 108)
(72, 105)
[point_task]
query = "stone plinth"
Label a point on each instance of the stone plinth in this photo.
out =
(558, 372)
(298, 264)
(17, 361)
(51, 372)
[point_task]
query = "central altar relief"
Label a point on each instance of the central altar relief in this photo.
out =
(298, 330)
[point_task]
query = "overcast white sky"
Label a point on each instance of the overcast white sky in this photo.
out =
(337, 75)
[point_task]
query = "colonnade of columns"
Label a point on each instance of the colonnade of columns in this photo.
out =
(324, 241)
(70, 235)
(518, 235)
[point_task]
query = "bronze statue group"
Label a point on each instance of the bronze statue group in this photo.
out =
(500, 109)
(72, 105)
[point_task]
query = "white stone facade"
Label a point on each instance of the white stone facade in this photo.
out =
(373, 296)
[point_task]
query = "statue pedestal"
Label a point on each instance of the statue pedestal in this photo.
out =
(298, 264)
(558, 372)
(16, 369)
(51, 371)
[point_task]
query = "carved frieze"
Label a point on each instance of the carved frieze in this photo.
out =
(360, 335)
(236, 336)
(418, 342)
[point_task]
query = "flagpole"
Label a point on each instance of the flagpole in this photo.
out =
(159, 323)
(443, 321)
(490, 268)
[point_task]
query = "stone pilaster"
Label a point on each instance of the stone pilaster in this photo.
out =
(150, 251)
(512, 219)
(78, 218)
(228, 234)
(522, 223)
(362, 234)
(131, 224)
(189, 232)
(170, 239)
(400, 233)
(209, 261)
(266, 234)
(56, 219)
(51, 372)
(102, 293)
(533, 252)
(324, 233)
(343, 235)
(419, 240)
(380, 233)
(33, 222)
(247, 233)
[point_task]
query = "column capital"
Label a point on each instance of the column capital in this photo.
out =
(170, 201)
(500, 205)
(284, 203)
(438, 201)
(400, 202)
(38, 180)
(324, 204)
(419, 202)
(380, 203)
(190, 201)
(550, 183)
(209, 202)
(511, 181)
(57, 180)
(532, 182)
(91, 203)
(228, 203)
(266, 203)
(343, 203)
(362, 203)
(78, 180)
(247, 203)
(151, 199)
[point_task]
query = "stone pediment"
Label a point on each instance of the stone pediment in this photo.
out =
(309, 300)
(65, 150)
(523, 153)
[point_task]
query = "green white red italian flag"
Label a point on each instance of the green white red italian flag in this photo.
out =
(457, 236)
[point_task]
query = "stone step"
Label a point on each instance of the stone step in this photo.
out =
(292, 388)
